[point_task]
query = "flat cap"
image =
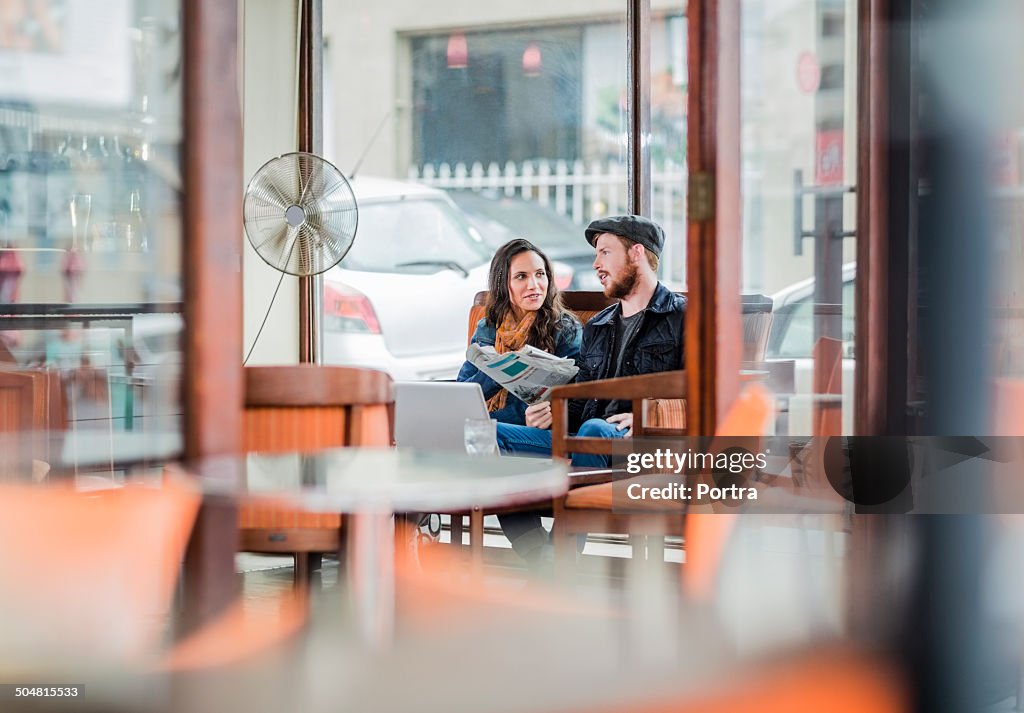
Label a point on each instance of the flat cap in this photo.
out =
(634, 227)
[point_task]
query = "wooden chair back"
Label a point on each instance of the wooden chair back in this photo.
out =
(757, 316)
(582, 304)
(308, 407)
(659, 413)
(30, 400)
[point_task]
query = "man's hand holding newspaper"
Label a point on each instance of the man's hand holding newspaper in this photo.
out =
(528, 374)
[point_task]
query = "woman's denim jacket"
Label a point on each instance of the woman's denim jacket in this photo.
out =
(567, 344)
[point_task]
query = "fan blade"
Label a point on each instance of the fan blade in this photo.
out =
(291, 240)
(259, 202)
(309, 171)
(336, 187)
(259, 220)
(281, 181)
(277, 236)
(338, 211)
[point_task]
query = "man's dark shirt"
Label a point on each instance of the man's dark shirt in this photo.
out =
(656, 345)
(626, 329)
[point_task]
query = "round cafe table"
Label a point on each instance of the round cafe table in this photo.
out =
(371, 485)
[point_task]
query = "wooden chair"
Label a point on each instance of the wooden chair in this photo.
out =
(31, 400)
(590, 508)
(89, 575)
(662, 404)
(308, 407)
(583, 305)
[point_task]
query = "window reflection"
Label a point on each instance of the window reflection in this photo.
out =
(90, 236)
(413, 236)
(519, 116)
(798, 93)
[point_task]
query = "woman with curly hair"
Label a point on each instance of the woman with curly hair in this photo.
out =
(524, 307)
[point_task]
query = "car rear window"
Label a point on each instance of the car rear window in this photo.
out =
(395, 233)
(503, 218)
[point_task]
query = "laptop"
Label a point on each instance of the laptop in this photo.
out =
(431, 415)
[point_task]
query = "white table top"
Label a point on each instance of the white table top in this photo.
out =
(387, 479)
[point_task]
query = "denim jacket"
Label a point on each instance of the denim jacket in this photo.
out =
(567, 344)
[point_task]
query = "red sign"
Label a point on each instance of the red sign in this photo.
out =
(808, 72)
(828, 158)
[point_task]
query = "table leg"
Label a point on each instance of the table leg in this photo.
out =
(371, 575)
(476, 538)
(210, 583)
(456, 529)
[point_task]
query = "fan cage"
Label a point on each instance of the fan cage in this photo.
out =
(306, 243)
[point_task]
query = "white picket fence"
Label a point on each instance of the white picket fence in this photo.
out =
(580, 191)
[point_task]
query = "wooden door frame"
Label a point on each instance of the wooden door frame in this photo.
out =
(887, 166)
(212, 379)
(714, 333)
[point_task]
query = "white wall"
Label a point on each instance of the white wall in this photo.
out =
(269, 125)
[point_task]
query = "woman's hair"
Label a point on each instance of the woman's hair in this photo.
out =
(499, 303)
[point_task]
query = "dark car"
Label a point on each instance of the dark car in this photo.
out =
(500, 218)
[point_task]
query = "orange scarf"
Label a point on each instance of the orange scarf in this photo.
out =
(510, 337)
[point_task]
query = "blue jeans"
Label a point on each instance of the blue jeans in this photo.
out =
(524, 530)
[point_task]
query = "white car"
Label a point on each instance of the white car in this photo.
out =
(792, 338)
(400, 299)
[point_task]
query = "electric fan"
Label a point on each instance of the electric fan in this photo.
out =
(300, 214)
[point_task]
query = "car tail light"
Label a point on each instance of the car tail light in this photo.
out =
(563, 274)
(346, 309)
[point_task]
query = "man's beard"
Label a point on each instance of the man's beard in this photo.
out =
(619, 288)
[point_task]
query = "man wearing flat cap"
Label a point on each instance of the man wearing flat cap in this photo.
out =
(642, 333)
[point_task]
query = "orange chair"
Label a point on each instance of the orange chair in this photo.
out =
(1008, 404)
(829, 680)
(89, 581)
(308, 407)
(89, 576)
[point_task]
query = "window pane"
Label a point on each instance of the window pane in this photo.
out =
(90, 233)
(798, 98)
(410, 235)
(515, 112)
(668, 138)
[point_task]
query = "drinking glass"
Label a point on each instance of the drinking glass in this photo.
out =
(80, 208)
(481, 436)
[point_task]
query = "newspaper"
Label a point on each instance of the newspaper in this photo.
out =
(528, 374)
